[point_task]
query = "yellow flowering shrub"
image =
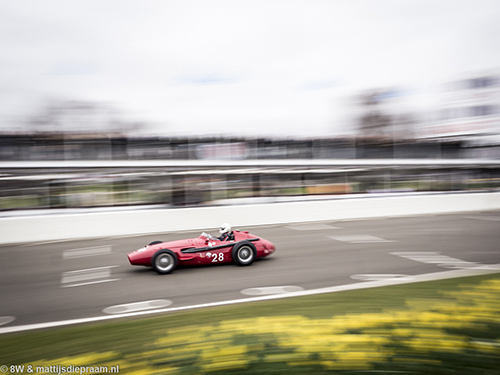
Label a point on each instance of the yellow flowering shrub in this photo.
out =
(463, 330)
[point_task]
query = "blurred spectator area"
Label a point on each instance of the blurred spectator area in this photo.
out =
(48, 185)
(79, 155)
(60, 146)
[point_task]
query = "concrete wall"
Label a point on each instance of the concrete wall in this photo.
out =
(105, 224)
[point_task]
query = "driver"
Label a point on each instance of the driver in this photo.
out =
(226, 233)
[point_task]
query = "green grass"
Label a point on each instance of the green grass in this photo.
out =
(414, 327)
(25, 201)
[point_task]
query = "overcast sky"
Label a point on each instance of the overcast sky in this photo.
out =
(279, 67)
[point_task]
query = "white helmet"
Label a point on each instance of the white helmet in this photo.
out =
(224, 228)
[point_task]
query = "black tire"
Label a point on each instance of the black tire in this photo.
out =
(164, 261)
(155, 243)
(244, 253)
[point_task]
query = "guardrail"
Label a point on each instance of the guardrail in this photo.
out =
(137, 222)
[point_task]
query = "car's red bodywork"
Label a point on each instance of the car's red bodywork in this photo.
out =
(204, 249)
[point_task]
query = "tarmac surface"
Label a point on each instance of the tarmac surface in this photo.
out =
(77, 281)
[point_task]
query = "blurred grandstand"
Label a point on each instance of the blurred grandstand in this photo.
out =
(454, 146)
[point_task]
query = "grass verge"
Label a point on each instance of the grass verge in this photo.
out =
(448, 326)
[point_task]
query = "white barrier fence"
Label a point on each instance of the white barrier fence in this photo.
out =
(107, 224)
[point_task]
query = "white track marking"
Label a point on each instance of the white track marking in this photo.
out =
(87, 276)
(271, 290)
(485, 218)
(359, 238)
(90, 283)
(87, 252)
(437, 258)
(137, 306)
(450, 274)
(31, 244)
(6, 320)
(375, 277)
(311, 227)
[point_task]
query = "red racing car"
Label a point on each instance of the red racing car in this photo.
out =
(241, 248)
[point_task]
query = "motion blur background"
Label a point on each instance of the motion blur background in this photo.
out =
(114, 105)
(216, 99)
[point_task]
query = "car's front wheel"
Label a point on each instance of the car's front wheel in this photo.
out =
(164, 261)
(244, 254)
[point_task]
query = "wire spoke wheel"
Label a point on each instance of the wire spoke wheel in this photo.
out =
(244, 254)
(164, 262)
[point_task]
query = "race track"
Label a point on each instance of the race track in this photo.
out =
(60, 281)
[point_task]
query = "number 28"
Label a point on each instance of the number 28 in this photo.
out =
(217, 257)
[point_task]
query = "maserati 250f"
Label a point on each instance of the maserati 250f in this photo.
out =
(241, 248)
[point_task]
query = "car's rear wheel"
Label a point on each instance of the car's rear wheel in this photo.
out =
(244, 254)
(164, 262)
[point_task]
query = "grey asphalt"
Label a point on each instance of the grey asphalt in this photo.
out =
(45, 282)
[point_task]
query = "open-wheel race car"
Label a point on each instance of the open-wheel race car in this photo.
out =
(238, 247)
